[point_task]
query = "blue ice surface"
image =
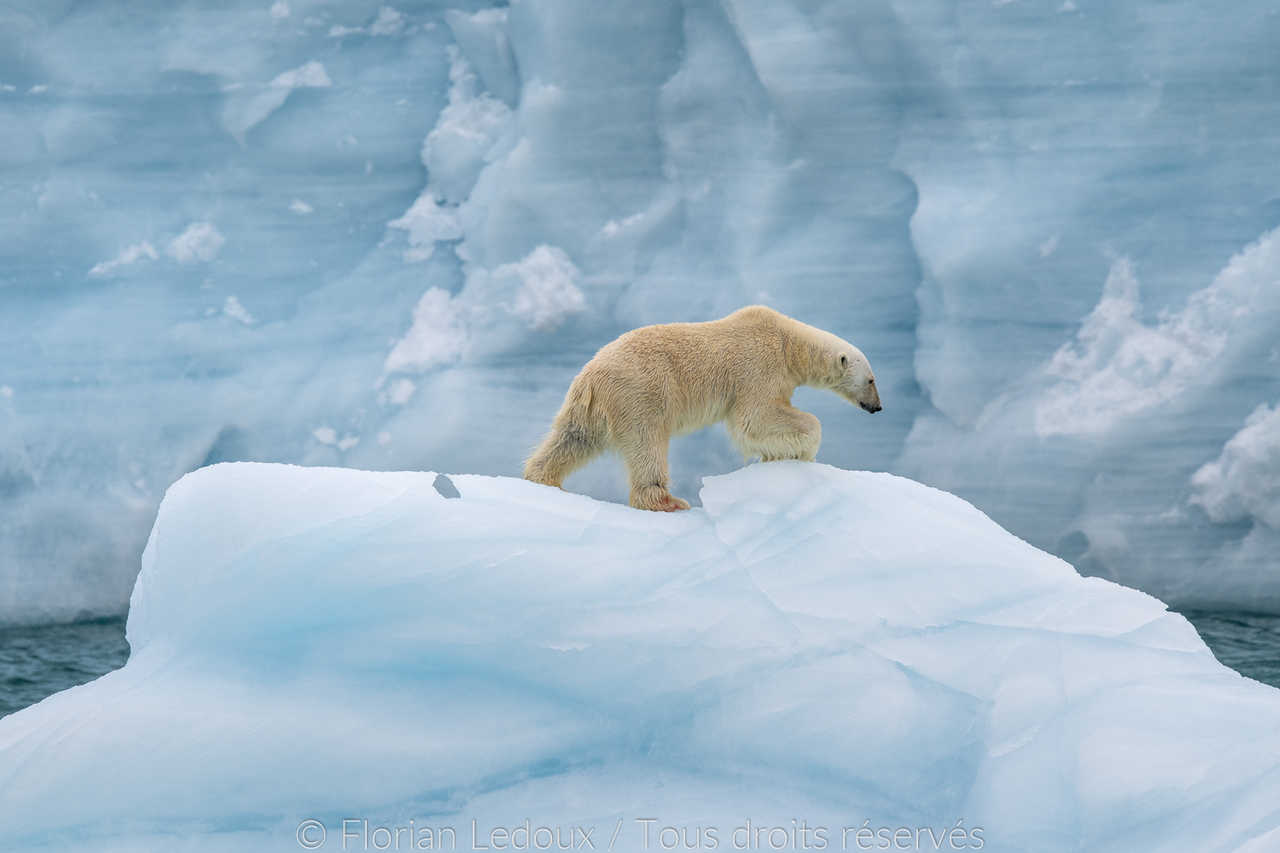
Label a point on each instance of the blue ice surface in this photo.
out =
(828, 647)
(386, 236)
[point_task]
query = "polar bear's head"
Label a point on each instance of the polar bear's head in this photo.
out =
(852, 378)
(823, 360)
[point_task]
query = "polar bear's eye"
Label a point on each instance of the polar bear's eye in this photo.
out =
(844, 361)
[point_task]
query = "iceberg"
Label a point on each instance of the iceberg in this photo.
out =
(815, 658)
(1048, 223)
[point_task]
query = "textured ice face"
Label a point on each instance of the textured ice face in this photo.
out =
(387, 236)
(1244, 482)
(810, 644)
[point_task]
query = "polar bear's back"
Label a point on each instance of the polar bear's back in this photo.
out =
(686, 375)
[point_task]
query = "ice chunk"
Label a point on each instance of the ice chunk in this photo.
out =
(839, 649)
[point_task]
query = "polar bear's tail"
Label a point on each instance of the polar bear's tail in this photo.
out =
(577, 435)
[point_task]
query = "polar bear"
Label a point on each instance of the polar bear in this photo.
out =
(671, 379)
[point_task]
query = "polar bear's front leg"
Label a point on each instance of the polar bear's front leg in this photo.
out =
(647, 468)
(776, 431)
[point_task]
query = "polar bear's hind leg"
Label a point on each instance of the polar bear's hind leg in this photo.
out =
(646, 460)
(577, 436)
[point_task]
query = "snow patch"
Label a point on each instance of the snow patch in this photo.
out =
(400, 391)
(427, 222)
(300, 207)
(613, 227)
(251, 108)
(540, 290)
(233, 309)
(454, 152)
(309, 76)
(548, 291)
(325, 435)
(279, 10)
(1244, 481)
(438, 335)
(388, 22)
(465, 134)
(130, 255)
(1118, 366)
(201, 241)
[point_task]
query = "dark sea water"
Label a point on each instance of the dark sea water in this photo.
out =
(36, 662)
(1249, 643)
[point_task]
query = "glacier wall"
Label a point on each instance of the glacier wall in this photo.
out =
(316, 645)
(386, 236)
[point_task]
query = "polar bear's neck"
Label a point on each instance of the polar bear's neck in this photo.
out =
(807, 352)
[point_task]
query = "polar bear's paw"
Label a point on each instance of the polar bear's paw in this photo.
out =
(673, 504)
(658, 499)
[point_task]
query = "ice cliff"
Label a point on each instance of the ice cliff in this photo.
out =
(812, 645)
(383, 235)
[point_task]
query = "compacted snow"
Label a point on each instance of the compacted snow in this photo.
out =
(330, 654)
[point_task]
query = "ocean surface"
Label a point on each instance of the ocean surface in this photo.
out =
(38, 661)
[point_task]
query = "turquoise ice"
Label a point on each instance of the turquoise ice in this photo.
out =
(811, 644)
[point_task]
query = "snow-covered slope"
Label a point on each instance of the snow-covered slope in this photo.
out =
(834, 648)
(386, 235)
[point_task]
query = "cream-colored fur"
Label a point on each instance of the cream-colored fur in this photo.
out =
(660, 381)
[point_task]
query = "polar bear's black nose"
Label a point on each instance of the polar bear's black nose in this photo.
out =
(871, 409)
